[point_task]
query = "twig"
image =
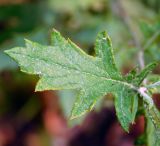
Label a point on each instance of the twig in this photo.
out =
(153, 85)
(141, 59)
(151, 40)
(119, 9)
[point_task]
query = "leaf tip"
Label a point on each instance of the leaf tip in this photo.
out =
(55, 36)
(10, 52)
(104, 35)
(72, 117)
(26, 40)
(126, 128)
(76, 115)
(38, 87)
(7, 52)
(28, 43)
(54, 32)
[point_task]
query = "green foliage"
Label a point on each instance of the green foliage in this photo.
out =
(65, 66)
(153, 127)
(151, 34)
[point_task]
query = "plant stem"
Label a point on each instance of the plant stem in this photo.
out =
(151, 40)
(119, 9)
(143, 92)
(153, 85)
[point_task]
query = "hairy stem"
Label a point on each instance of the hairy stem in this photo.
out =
(153, 85)
(143, 92)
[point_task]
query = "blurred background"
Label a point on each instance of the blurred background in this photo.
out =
(29, 118)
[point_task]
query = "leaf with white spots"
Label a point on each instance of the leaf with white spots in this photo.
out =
(63, 65)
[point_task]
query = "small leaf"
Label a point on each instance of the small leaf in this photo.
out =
(142, 75)
(131, 75)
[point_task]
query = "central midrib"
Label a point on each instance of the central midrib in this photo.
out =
(72, 68)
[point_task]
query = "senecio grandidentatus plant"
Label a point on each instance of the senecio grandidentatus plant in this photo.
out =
(63, 65)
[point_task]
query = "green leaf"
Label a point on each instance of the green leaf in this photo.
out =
(104, 50)
(153, 126)
(143, 74)
(152, 134)
(65, 66)
(131, 75)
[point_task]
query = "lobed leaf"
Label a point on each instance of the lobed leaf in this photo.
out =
(65, 66)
